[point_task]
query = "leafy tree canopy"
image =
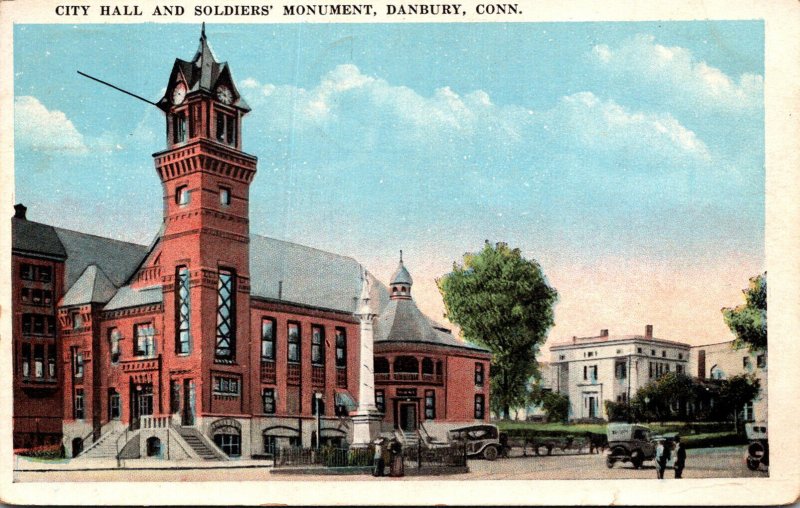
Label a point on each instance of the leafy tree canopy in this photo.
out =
(501, 301)
(749, 321)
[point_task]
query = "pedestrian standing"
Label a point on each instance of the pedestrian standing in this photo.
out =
(378, 462)
(661, 459)
(680, 457)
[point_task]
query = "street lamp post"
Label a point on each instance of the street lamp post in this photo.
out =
(317, 400)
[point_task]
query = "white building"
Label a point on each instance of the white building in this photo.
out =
(591, 370)
(721, 360)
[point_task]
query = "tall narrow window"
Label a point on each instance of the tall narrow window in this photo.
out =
(478, 374)
(51, 361)
(113, 405)
(26, 360)
(430, 404)
(226, 334)
(293, 338)
(174, 396)
(145, 339)
(77, 363)
(179, 127)
(380, 400)
(317, 345)
(195, 120)
(114, 337)
(268, 339)
(224, 196)
(341, 347)
(183, 335)
(77, 410)
(479, 410)
(45, 274)
(38, 361)
(268, 398)
(226, 128)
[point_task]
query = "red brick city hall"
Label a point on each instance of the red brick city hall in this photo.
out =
(212, 342)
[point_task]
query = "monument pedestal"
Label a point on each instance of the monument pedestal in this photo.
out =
(366, 426)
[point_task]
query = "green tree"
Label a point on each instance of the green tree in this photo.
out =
(501, 301)
(554, 404)
(748, 322)
(737, 391)
(665, 398)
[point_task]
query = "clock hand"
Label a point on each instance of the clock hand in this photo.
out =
(118, 88)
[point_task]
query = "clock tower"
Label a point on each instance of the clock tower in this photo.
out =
(204, 248)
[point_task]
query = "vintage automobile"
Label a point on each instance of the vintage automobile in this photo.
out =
(758, 449)
(629, 442)
(480, 440)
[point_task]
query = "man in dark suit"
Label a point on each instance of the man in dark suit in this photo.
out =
(680, 457)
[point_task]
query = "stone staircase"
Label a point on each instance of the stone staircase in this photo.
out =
(105, 447)
(409, 438)
(195, 440)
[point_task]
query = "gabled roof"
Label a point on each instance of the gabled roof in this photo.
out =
(116, 259)
(35, 239)
(202, 73)
(93, 286)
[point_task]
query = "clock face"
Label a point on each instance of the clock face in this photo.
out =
(224, 94)
(178, 93)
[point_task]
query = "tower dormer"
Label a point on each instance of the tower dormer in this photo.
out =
(202, 101)
(400, 285)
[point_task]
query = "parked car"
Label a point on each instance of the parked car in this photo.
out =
(480, 440)
(758, 449)
(629, 442)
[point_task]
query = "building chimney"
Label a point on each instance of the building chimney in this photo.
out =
(648, 331)
(19, 211)
(604, 332)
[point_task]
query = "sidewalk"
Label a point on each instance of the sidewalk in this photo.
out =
(85, 464)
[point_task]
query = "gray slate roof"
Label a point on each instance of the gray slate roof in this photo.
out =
(401, 276)
(310, 276)
(33, 238)
(202, 73)
(402, 321)
(129, 297)
(116, 259)
(93, 286)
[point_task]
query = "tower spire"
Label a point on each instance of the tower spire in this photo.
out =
(203, 31)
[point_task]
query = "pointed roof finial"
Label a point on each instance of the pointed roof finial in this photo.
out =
(401, 255)
(203, 31)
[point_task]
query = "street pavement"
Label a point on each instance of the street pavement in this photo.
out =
(725, 462)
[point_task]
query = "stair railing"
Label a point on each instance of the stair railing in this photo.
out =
(116, 445)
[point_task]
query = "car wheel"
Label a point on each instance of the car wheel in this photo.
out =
(490, 453)
(752, 464)
(609, 462)
(636, 459)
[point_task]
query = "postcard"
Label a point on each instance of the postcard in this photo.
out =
(399, 253)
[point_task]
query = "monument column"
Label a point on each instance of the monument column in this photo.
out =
(366, 419)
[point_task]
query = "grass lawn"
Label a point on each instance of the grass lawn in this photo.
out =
(693, 434)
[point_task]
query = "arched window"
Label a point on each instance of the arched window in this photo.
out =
(381, 365)
(406, 364)
(427, 366)
(229, 439)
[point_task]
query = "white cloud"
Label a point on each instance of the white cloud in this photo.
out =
(41, 129)
(605, 125)
(349, 105)
(677, 72)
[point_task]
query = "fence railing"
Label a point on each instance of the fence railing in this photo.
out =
(448, 455)
(325, 457)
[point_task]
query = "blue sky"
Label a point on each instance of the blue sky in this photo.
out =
(628, 158)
